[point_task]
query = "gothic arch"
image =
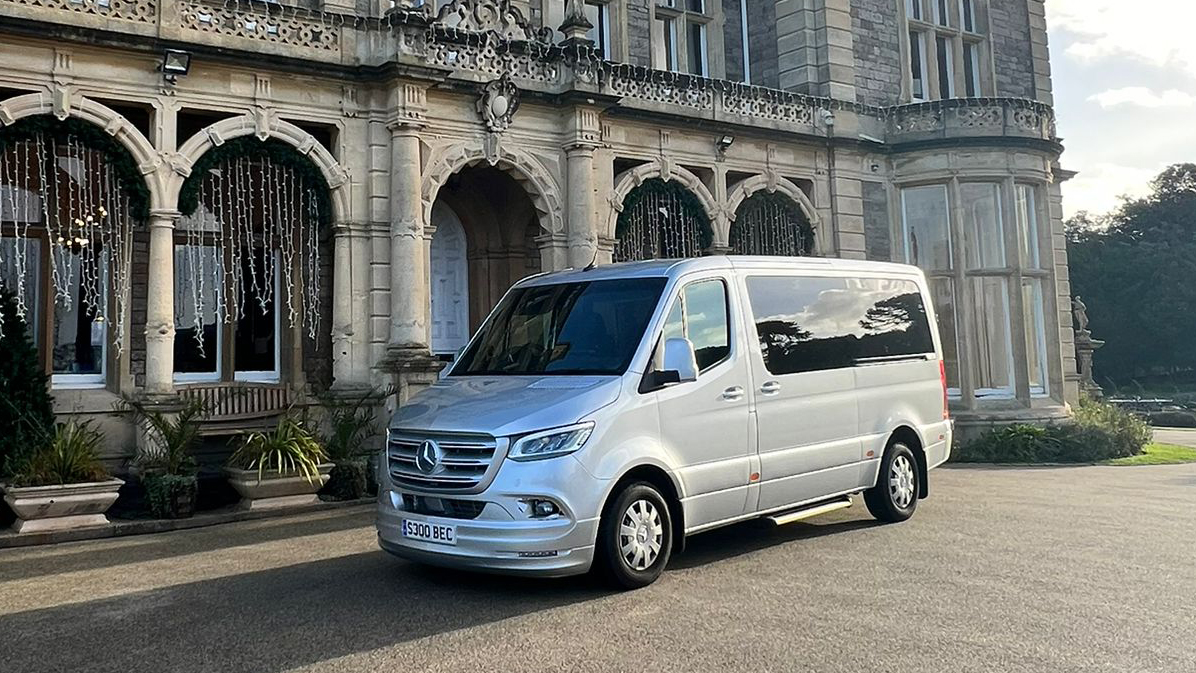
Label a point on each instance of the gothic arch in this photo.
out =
(264, 126)
(536, 180)
(62, 105)
(665, 171)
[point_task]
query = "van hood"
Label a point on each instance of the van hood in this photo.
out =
(505, 405)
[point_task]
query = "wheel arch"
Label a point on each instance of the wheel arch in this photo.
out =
(663, 481)
(910, 437)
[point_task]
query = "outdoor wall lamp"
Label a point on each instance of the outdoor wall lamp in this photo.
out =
(175, 64)
(724, 143)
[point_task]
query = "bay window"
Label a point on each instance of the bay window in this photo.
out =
(988, 283)
(598, 14)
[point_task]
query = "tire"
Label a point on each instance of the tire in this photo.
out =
(635, 537)
(895, 496)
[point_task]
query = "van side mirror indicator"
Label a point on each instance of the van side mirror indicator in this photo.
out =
(679, 359)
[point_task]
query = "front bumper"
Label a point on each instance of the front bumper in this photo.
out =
(504, 538)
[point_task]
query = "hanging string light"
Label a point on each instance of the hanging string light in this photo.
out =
(263, 217)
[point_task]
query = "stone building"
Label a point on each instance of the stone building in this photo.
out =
(290, 197)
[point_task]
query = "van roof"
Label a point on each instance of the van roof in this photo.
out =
(671, 268)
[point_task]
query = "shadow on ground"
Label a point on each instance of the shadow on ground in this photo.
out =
(275, 620)
(82, 556)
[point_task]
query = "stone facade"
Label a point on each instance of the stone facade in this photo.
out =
(879, 66)
(478, 125)
(1013, 56)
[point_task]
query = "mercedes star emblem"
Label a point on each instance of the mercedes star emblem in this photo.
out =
(427, 459)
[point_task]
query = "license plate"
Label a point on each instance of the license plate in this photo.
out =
(429, 532)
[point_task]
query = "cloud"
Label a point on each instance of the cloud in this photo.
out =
(1100, 187)
(1143, 97)
(1157, 32)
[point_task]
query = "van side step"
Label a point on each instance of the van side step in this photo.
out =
(782, 518)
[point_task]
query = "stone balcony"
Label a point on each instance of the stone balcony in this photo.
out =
(465, 50)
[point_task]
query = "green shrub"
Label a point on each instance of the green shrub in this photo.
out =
(1172, 419)
(170, 496)
(172, 436)
(1096, 432)
(347, 480)
(351, 425)
(71, 457)
(26, 409)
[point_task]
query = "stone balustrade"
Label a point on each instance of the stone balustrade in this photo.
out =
(970, 118)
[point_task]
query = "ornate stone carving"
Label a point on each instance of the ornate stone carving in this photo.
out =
(490, 56)
(295, 30)
(490, 16)
(761, 103)
(498, 104)
(141, 11)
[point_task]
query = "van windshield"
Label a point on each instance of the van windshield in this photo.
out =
(590, 328)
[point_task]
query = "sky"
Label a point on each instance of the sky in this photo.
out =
(1124, 74)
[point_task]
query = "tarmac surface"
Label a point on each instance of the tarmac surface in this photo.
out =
(1051, 570)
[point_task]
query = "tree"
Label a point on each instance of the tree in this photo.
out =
(1134, 269)
(26, 410)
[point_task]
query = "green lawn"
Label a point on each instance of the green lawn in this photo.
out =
(1159, 454)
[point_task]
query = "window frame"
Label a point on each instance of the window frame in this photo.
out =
(925, 18)
(222, 330)
(679, 299)
(678, 15)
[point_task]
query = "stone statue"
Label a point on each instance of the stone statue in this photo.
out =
(1080, 310)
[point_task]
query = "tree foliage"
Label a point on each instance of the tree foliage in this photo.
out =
(26, 410)
(1136, 271)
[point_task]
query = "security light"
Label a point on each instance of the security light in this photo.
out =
(725, 142)
(175, 63)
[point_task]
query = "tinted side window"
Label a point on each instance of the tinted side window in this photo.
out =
(812, 324)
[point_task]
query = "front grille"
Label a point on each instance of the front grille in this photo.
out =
(465, 462)
(446, 507)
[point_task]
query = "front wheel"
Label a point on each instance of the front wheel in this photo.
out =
(635, 537)
(895, 496)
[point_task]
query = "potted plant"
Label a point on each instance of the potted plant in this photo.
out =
(283, 467)
(63, 484)
(167, 461)
(351, 425)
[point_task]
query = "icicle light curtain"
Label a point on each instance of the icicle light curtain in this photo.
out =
(661, 220)
(243, 196)
(771, 224)
(68, 183)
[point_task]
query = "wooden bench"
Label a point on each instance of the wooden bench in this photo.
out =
(239, 408)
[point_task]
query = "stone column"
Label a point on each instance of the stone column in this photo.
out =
(159, 308)
(342, 307)
(581, 231)
(408, 266)
(582, 227)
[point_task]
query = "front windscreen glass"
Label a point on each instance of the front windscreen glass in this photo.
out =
(590, 328)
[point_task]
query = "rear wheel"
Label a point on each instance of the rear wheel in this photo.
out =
(635, 537)
(895, 496)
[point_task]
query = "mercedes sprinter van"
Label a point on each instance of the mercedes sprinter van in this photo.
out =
(599, 417)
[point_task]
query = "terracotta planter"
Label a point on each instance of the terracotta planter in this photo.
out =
(275, 490)
(61, 507)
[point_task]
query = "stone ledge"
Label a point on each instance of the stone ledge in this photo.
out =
(122, 528)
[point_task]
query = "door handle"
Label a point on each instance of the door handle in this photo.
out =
(733, 394)
(771, 388)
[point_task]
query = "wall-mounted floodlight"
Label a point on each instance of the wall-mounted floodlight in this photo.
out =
(175, 64)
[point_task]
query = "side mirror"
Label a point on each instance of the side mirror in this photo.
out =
(680, 365)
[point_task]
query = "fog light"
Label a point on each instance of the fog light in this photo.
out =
(540, 508)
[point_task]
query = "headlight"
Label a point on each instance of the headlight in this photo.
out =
(551, 443)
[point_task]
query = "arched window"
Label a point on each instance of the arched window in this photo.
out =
(661, 220)
(69, 198)
(771, 224)
(247, 261)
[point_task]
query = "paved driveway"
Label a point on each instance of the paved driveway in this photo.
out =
(1180, 436)
(1044, 570)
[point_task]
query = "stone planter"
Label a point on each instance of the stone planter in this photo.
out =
(61, 507)
(275, 490)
